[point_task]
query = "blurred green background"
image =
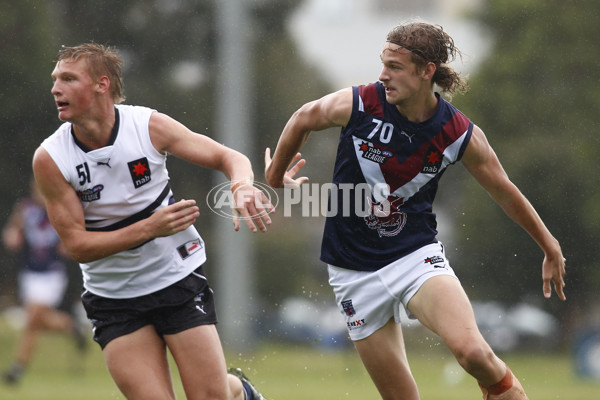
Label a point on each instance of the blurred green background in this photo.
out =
(298, 372)
(533, 91)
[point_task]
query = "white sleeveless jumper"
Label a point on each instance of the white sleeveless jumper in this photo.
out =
(118, 185)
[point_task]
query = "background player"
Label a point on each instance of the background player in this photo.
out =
(42, 279)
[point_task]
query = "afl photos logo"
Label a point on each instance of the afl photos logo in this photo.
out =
(220, 200)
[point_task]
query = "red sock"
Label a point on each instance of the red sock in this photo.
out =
(502, 386)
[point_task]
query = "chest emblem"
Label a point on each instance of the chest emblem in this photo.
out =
(374, 153)
(432, 162)
(140, 171)
(385, 217)
(92, 194)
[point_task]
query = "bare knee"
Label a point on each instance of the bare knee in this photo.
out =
(476, 357)
(210, 390)
(35, 316)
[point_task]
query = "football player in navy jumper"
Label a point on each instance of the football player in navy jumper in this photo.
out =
(398, 136)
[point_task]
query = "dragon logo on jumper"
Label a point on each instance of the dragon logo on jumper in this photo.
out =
(140, 171)
(375, 154)
(92, 194)
(433, 161)
(386, 217)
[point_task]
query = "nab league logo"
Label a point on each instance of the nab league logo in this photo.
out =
(92, 194)
(375, 154)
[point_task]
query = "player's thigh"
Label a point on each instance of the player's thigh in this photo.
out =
(138, 364)
(199, 357)
(384, 356)
(442, 305)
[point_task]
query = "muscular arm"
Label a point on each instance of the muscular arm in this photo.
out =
(66, 214)
(168, 135)
(329, 111)
(481, 161)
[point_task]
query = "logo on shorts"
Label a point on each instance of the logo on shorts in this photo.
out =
(189, 248)
(350, 312)
(359, 323)
(199, 300)
(348, 308)
(434, 260)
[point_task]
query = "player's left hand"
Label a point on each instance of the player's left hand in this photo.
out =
(252, 206)
(553, 270)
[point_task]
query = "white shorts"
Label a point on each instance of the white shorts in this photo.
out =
(47, 288)
(368, 299)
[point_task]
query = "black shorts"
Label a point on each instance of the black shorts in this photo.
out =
(183, 305)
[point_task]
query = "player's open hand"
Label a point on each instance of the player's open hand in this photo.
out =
(294, 167)
(252, 206)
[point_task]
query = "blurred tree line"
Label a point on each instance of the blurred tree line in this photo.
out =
(171, 64)
(534, 96)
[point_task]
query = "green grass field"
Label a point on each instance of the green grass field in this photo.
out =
(291, 372)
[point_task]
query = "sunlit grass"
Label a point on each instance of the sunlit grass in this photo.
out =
(293, 372)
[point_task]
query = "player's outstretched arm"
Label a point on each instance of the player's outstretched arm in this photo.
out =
(329, 111)
(481, 161)
(251, 204)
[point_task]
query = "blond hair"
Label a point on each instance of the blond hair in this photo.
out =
(101, 61)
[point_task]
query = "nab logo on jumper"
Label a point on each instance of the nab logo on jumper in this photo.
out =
(433, 161)
(140, 171)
